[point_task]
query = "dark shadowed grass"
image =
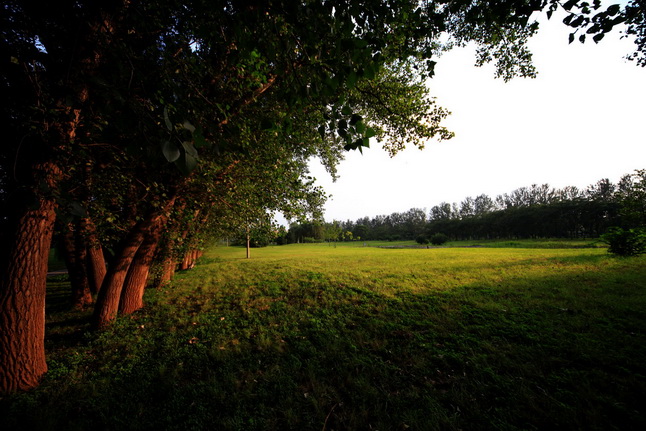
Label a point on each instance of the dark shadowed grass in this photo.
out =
(313, 338)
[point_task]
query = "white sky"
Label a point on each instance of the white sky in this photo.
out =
(581, 120)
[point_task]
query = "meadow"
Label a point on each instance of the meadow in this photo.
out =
(346, 337)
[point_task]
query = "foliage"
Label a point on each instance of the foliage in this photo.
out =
(422, 239)
(439, 239)
(537, 211)
(631, 196)
(625, 242)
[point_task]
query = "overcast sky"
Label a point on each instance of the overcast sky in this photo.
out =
(582, 119)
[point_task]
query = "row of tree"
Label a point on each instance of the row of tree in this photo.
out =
(137, 131)
(538, 211)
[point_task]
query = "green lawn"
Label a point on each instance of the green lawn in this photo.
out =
(317, 337)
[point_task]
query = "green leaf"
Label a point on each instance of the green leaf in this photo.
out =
(370, 132)
(571, 38)
(170, 150)
(569, 4)
(430, 65)
(332, 83)
(352, 79)
(321, 131)
(191, 162)
(189, 148)
(359, 43)
(188, 126)
(169, 125)
(186, 163)
(355, 119)
(370, 71)
(614, 9)
(598, 37)
(346, 110)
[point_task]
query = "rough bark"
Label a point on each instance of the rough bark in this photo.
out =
(23, 279)
(107, 303)
(135, 283)
(187, 261)
(168, 270)
(95, 259)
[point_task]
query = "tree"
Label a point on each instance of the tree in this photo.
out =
(439, 239)
(629, 239)
(631, 198)
(333, 231)
(148, 95)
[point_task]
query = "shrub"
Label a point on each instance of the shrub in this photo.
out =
(625, 242)
(311, 240)
(439, 239)
(422, 239)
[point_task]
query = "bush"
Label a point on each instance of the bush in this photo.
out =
(422, 239)
(625, 242)
(439, 239)
(311, 240)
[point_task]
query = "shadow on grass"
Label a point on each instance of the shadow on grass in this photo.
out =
(549, 352)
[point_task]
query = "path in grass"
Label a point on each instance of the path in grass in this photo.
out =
(317, 337)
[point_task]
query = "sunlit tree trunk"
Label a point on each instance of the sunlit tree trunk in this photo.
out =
(107, 303)
(135, 283)
(95, 265)
(186, 262)
(248, 245)
(95, 259)
(168, 270)
(23, 278)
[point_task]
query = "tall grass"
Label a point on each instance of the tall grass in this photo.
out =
(317, 337)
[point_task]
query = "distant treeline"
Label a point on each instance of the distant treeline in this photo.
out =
(538, 211)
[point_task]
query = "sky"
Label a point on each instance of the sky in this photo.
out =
(581, 120)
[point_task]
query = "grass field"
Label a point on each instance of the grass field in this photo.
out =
(318, 337)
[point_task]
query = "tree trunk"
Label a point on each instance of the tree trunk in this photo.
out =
(135, 284)
(107, 303)
(168, 270)
(95, 259)
(22, 300)
(188, 261)
(75, 252)
(183, 266)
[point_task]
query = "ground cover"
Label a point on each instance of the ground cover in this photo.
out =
(322, 337)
